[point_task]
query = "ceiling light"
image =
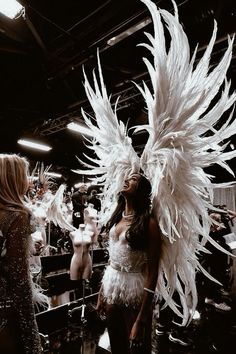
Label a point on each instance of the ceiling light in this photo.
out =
(53, 174)
(79, 128)
(34, 145)
(10, 8)
(114, 40)
(77, 185)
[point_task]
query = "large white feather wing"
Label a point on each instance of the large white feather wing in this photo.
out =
(182, 141)
(111, 146)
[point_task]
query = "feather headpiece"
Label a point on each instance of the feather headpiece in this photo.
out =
(183, 140)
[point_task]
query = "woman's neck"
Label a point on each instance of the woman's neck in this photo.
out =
(129, 210)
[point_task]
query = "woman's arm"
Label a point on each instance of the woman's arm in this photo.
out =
(231, 213)
(153, 254)
(17, 261)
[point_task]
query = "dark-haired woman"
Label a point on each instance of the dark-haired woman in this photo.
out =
(129, 281)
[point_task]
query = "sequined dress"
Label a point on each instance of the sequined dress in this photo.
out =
(15, 281)
(123, 280)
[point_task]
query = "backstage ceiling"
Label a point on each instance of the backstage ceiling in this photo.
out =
(42, 53)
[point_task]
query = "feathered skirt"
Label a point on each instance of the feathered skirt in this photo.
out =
(123, 288)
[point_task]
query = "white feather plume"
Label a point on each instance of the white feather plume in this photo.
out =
(55, 212)
(182, 141)
(115, 156)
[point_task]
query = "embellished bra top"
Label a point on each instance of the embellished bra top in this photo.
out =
(122, 257)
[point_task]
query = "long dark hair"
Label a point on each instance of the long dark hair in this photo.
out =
(136, 235)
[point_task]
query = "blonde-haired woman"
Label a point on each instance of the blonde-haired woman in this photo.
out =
(18, 328)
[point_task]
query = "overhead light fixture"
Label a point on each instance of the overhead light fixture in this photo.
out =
(34, 145)
(79, 128)
(53, 174)
(77, 185)
(10, 8)
(116, 39)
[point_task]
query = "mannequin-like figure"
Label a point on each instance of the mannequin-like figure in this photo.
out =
(81, 262)
(82, 239)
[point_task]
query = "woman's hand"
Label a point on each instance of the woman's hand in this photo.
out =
(101, 305)
(137, 331)
(137, 336)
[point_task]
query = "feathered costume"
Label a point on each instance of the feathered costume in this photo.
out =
(45, 207)
(182, 141)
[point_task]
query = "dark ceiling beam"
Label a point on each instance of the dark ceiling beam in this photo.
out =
(84, 19)
(54, 125)
(143, 74)
(100, 22)
(53, 24)
(89, 53)
(127, 97)
(13, 50)
(35, 33)
(104, 42)
(9, 32)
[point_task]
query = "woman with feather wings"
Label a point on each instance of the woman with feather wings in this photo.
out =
(183, 140)
(129, 280)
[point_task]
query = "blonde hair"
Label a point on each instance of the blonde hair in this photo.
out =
(13, 181)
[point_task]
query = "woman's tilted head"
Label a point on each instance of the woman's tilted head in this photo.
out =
(13, 181)
(138, 188)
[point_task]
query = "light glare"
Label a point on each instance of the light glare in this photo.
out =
(79, 128)
(33, 145)
(10, 8)
(77, 185)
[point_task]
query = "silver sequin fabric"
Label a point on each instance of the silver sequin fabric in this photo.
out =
(15, 281)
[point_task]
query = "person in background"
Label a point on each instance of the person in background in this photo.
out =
(93, 199)
(18, 328)
(78, 202)
(129, 281)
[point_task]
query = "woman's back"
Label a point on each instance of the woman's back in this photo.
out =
(16, 299)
